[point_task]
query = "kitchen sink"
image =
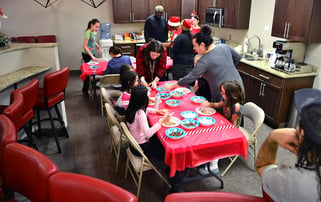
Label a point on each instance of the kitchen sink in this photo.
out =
(252, 58)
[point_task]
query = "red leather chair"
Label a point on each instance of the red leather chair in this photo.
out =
(30, 95)
(75, 187)
(15, 110)
(8, 135)
(27, 171)
(46, 39)
(211, 196)
(52, 93)
(26, 39)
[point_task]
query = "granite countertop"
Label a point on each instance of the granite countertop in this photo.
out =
(20, 46)
(128, 42)
(265, 66)
(12, 78)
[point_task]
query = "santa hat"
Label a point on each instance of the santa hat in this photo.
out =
(187, 24)
(194, 15)
(174, 21)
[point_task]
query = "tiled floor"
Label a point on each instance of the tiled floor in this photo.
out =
(87, 152)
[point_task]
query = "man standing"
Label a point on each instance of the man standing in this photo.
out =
(156, 26)
(301, 182)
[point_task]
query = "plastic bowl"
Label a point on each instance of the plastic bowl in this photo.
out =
(189, 123)
(164, 95)
(175, 133)
(161, 89)
(198, 99)
(177, 94)
(173, 103)
(206, 120)
(189, 115)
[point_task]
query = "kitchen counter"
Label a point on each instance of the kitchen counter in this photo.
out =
(128, 42)
(21, 46)
(265, 66)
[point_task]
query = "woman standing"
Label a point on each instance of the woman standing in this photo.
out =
(182, 51)
(196, 20)
(151, 63)
(216, 65)
(89, 48)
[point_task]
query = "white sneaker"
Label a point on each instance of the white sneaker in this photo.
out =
(204, 170)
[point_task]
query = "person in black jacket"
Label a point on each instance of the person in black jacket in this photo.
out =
(182, 51)
(156, 26)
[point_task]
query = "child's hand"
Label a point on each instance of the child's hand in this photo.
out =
(165, 118)
(196, 86)
(205, 104)
(162, 111)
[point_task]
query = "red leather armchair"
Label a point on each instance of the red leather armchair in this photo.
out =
(27, 171)
(52, 93)
(211, 196)
(74, 187)
(46, 39)
(30, 95)
(15, 110)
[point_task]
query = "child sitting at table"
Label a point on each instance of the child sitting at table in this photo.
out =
(136, 120)
(129, 79)
(231, 105)
(117, 60)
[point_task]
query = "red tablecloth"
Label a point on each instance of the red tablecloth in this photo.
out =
(87, 69)
(202, 144)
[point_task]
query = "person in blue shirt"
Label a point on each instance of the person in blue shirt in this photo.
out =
(117, 60)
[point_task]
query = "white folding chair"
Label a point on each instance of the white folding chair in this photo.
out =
(256, 116)
(138, 164)
(107, 82)
(117, 138)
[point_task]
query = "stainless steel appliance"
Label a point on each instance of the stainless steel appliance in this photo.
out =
(214, 16)
(287, 54)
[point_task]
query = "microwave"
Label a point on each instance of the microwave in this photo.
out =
(214, 17)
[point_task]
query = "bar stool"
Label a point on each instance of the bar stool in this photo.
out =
(52, 93)
(30, 95)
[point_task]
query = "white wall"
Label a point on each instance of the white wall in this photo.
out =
(68, 20)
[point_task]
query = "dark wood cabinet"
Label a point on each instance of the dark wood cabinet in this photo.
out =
(272, 93)
(187, 7)
(129, 11)
(297, 20)
(236, 12)
(127, 49)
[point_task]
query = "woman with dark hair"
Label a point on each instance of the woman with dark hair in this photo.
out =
(216, 65)
(89, 48)
(117, 60)
(196, 20)
(151, 63)
(183, 52)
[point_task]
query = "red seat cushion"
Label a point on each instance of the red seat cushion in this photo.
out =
(52, 100)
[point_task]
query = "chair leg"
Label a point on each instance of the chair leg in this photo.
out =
(62, 123)
(102, 105)
(38, 123)
(31, 142)
(54, 131)
(234, 158)
(140, 180)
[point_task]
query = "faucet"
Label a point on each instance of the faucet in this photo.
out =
(247, 41)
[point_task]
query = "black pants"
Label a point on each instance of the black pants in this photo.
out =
(85, 87)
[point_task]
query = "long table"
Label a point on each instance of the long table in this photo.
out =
(202, 144)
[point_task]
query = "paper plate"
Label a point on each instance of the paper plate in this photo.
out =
(161, 89)
(176, 94)
(198, 99)
(172, 103)
(175, 133)
(205, 110)
(189, 123)
(93, 67)
(206, 120)
(184, 90)
(172, 123)
(189, 114)
(164, 95)
(92, 63)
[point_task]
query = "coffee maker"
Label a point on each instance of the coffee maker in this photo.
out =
(287, 53)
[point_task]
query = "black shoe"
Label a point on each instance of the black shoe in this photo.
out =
(85, 94)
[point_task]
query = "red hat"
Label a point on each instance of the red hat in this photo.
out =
(174, 21)
(187, 24)
(194, 13)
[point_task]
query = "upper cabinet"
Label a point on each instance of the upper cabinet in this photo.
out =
(297, 20)
(236, 12)
(171, 7)
(188, 6)
(127, 11)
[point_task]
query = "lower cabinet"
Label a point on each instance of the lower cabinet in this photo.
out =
(272, 93)
(127, 49)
